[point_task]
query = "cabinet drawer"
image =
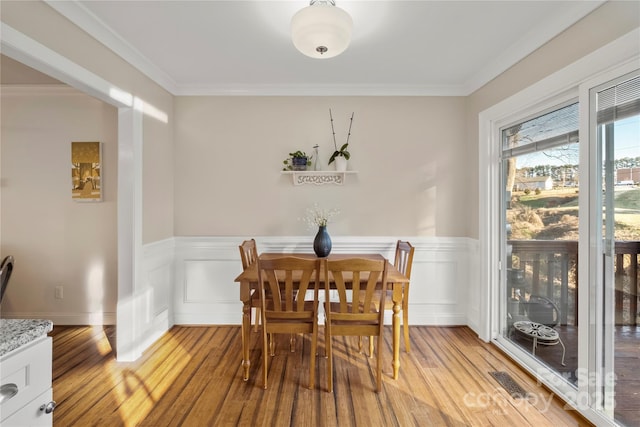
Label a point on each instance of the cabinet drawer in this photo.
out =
(29, 368)
(31, 414)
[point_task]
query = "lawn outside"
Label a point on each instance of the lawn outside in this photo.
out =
(553, 214)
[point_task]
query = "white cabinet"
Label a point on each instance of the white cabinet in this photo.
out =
(29, 369)
(33, 413)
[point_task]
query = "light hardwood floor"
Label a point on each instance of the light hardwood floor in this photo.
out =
(192, 377)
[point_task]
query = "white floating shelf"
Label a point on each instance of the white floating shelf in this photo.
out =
(318, 177)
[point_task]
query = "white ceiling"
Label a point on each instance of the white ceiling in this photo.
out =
(398, 47)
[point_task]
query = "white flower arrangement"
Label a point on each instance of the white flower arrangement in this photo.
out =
(317, 217)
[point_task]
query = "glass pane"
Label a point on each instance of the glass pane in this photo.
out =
(553, 126)
(619, 137)
(541, 239)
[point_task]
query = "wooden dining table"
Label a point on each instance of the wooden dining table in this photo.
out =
(248, 280)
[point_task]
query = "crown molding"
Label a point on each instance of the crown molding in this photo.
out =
(319, 90)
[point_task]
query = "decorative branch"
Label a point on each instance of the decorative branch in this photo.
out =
(333, 130)
(349, 134)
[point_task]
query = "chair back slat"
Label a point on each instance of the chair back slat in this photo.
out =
(248, 253)
(305, 281)
(341, 288)
(404, 258)
(370, 291)
(271, 286)
(355, 291)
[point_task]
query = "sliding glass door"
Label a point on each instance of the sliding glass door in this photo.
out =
(569, 247)
(615, 130)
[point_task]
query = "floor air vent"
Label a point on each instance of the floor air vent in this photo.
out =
(509, 384)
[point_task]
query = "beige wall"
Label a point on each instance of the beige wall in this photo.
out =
(57, 241)
(607, 23)
(409, 153)
(40, 22)
(441, 167)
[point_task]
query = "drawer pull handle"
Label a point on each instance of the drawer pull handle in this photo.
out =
(49, 407)
(7, 391)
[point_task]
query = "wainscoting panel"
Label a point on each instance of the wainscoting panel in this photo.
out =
(474, 303)
(160, 279)
(427, 282)
(152, 298)
(198, 283)
(205, 269)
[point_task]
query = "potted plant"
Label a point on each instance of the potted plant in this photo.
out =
(297, 161)
(342, 155)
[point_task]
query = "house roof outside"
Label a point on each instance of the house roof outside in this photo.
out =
(533, 179)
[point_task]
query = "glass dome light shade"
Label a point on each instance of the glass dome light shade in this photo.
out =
(321, 26)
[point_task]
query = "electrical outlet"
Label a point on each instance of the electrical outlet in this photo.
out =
(59, 292)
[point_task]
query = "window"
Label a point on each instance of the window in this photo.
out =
(540, 178)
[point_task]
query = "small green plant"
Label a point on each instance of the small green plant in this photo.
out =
(527, 191)
(298, 160)
(538, 191)
(341, 152)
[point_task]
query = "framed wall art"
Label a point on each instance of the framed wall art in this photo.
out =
(86, 171)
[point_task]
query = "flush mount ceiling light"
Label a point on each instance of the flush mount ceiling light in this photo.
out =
(321, 30)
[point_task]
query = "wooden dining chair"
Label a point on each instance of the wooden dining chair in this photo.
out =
(282, 285)
(6, 268)
(356, 313)
(403, 261)
(248, 256)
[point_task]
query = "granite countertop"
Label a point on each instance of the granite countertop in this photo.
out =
(17, 332)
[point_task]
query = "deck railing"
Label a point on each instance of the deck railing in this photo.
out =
(626, 279)
(549, 268)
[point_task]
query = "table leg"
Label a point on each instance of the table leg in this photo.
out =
(405, 317)
(246, 330)
(397, 299)
(245, 297)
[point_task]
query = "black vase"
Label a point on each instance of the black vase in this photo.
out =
(322, 242)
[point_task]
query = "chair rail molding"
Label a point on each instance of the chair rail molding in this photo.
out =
(441, 290)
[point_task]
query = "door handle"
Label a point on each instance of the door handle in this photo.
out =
(7, 391)
(48, 407)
